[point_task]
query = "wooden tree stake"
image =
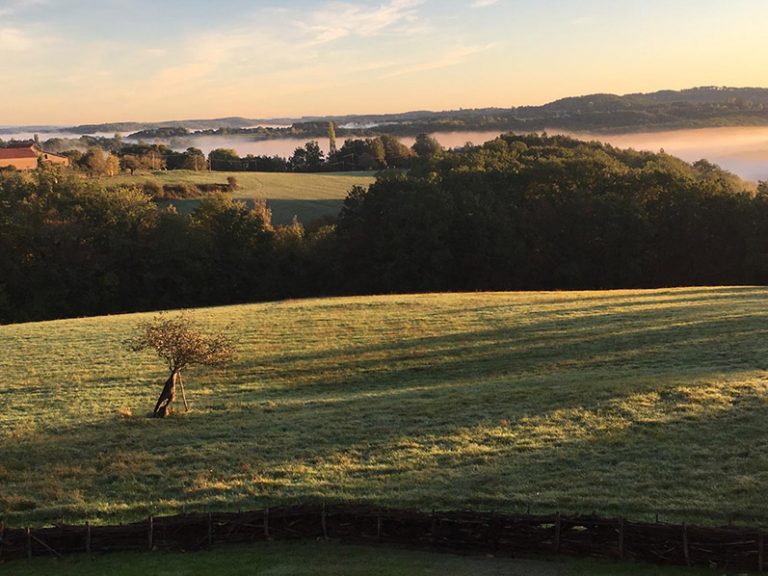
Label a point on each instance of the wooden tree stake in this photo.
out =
(686, 551)
(150, 532)
(87, 537)
(183, 393)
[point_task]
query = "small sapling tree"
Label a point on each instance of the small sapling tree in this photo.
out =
(180, 343)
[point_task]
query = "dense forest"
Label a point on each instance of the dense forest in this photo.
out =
(516, 213)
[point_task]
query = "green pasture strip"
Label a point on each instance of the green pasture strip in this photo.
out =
(269, 185)
(318, 559)
(306, 196)
(631, 403)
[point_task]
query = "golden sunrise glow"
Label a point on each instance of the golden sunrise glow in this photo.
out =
(71, 64)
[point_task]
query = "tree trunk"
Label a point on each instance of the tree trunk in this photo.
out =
(167, 396)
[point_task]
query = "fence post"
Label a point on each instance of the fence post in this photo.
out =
(434, 528)
(266, 522)
(210, 529)
(378, 525)
(29, 543)
(686, 551)
(558, 528)
(621, 538)
(150, 531)
(322, 521)
(760, 551)
(87, 537)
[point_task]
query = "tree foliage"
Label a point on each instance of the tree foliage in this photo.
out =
(519, 212)
(179, 342)
(539, 212)
(97, 162)
(307, 159)
(426, 146)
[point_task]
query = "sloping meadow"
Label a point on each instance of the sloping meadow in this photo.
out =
(631, 403)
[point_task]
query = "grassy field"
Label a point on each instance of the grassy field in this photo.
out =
(313, 559)
(308, 196)
(625, 402)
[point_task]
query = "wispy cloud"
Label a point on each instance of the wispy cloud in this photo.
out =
(453, 57)
(15, 40)
(19, 33)
(482, 3)
(200, 61)
(10, 7)
(341, 19)
(583, 21)
(253, 53)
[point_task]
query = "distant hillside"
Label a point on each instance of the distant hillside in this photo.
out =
(667, 109)
(235, 122)
(692, 108)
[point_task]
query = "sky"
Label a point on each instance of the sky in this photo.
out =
(86, 61)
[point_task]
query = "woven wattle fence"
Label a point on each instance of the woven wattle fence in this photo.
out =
(462, 532)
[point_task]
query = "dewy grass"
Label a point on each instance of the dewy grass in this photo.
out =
(326, 559)
(623, 403)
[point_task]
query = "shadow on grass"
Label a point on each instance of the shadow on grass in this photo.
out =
(306, 211)
(577, 413)
(283, 210)
(680, 457)
(648, 342)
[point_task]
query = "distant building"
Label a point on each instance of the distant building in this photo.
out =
(28, 157)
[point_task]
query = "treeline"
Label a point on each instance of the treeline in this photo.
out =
(70, 247)
(108, 157)
(517, 213)
(375, 153)
(531, 212)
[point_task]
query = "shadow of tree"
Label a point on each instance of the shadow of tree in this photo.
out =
(641, 410)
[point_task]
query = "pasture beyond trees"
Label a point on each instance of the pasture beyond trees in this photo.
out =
(624, 402)
(289, 194)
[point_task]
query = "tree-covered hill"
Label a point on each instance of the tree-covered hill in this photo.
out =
(517, 213)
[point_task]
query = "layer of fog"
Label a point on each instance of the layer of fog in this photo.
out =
(742, 150)
(47, 135)
(286, 146)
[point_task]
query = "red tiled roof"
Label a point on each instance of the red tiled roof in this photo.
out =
(14, 153)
